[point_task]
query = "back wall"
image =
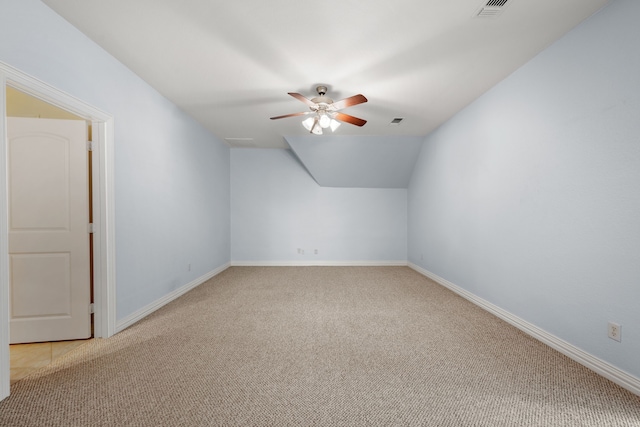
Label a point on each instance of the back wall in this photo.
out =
(277, 208)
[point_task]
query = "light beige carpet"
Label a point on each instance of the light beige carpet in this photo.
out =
(318, 346)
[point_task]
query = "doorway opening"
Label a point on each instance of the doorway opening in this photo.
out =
(49, 167)
(102, 246)
(46, 145)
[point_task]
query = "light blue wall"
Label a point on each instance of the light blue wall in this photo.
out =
(530, 197)
(171, 175)
(276, 208)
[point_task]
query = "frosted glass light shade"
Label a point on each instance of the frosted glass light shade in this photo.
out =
(308, 123)
(316, 130)
(325, 121)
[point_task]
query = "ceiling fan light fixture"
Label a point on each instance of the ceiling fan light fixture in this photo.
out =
(312, 125)
(324, 120)
(308, 123)
(316, 129)
(325, 112)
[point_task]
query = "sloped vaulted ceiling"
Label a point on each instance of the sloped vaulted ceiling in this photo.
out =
(358, 161)
(230, 64)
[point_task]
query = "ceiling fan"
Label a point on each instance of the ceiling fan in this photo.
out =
(325, 111)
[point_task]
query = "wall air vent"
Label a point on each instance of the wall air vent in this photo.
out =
(396, 121)
(492, 8)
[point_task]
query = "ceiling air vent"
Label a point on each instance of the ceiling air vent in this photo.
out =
(396, 121)
(492, 8)
(241, 142)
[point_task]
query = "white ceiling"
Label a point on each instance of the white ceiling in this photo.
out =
(230, 64)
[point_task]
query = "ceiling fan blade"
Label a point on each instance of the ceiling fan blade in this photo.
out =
(349, 102)
(349, 119)
(299, 97)
(291, 115)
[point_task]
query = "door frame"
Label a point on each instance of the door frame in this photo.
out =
(104, 274)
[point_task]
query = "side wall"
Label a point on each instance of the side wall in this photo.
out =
(276, 208)
(530, 197)
(171, 175)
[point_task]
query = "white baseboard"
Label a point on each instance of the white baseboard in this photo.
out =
(318, 263)
(618, 376)
(150, 308)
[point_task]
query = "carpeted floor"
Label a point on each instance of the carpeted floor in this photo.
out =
(318, 346)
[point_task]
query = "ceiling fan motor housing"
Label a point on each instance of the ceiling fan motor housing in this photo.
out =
(322, 102)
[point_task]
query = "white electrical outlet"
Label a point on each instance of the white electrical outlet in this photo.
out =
(300, 251)
(315, 251)
(615, 331)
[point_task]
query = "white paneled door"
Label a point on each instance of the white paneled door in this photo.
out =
(49, 262)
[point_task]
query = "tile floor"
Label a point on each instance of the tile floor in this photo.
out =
(28, 358)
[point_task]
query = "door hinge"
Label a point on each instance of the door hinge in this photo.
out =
(90, 145)
(91, 308)
(91, 229)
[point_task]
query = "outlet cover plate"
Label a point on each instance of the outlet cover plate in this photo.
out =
(615, 331)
